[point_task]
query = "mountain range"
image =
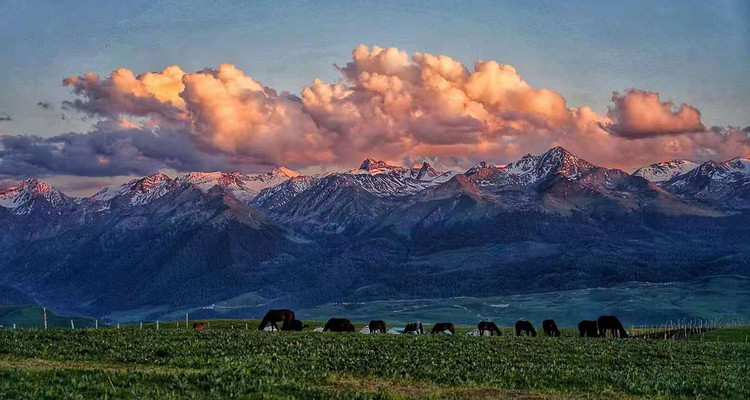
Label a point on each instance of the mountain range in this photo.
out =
(156, 245)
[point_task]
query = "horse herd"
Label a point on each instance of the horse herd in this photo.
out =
(587, 328)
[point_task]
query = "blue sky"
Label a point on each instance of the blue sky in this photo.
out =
(689, 51)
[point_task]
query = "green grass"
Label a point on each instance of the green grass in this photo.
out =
(738, 334)
(223, 362)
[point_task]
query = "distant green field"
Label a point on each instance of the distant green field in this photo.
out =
(738, 334)
(230, 360)
(32, 317)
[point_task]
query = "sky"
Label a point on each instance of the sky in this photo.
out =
(321, 85)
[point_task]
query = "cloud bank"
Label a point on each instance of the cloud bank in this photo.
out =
(387, 104)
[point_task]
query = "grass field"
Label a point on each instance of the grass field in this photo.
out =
(231, 361)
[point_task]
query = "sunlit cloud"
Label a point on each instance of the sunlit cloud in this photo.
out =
(387, 104)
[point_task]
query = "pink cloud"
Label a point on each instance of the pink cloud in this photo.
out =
(392, 106)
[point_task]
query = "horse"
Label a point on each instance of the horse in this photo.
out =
(588, 328)
(274, 316)
(525, 326)
(488, 326)
(550, 328)
(443, 326)
(377, 326)
(414, 327)
(199, 326)
(611, 323)
(338, 325)
(294, 325)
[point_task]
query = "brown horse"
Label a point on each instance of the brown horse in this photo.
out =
(199, 326)
(612, 324)
(274, 316)
(443, 326)
(525, 326)
(338, 325)
(550, 328)
(488, 326)
(588, 328)
(377, 326)
(414, 327)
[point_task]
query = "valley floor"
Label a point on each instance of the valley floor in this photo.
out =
(230, 360)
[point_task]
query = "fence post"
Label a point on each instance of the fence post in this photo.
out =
(118, 325)
(96, 324)
(71, 325)
(157, 324)
(44, 310)
(186, 320)
(14, 326)
(141, 325)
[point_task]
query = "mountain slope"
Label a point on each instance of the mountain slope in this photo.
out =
(720, 184)
(156, 246)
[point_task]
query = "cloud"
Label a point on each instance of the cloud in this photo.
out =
(638, 113)
(44, 105)
(5, 117)
(388, 104)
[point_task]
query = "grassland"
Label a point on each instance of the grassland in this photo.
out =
(231, 361)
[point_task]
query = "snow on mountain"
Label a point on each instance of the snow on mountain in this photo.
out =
(483, 165)
(21, 198)
(276, 196)
(725, 183)
(530, 169)
(243, 187)
(138, 191)
(664, 171)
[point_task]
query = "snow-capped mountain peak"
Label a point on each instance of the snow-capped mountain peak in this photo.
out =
(19, 196)
(141, 190)
(555, 161)
(664, 171)
(374, 167)
(243, 187)
(284, 171)
(479, 167)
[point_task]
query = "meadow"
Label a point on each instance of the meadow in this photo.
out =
(233, 360)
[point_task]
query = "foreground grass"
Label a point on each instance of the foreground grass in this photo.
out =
(134, 363)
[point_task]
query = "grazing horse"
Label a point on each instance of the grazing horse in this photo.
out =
(294, 325)
(377, 326)
(588, 328)
(274, 316)
(488, 326)
(414, 327)
(612, 324)
(443, 326)
(338, 325)
(525, 326)
(550, 328)
(199, 326)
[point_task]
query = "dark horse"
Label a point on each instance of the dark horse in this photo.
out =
(377, 326)
(588, 328)
(274, 316)
(294, 325)
(525, 326)
(488, 326)
(415, 327)
(338, 325)
(199, 326)
(550, 328)
(443, 326)
(612, 324)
